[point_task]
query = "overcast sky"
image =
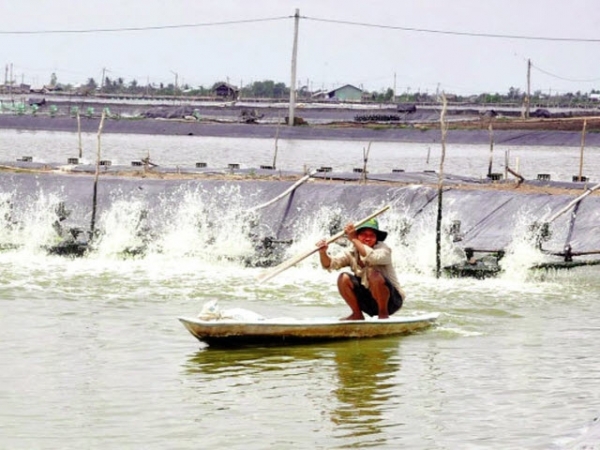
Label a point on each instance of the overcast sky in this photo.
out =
(410, 45)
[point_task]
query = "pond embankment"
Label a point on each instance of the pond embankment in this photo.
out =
(466, 126)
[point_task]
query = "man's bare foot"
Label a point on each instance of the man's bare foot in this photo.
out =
(354, 317)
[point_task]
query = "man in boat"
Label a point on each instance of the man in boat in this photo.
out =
(372, 287)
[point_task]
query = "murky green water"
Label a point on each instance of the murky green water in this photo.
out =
(93, 357)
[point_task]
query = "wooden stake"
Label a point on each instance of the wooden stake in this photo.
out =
(582, 147)
(79, 134)
(491, 133)
(276, 141)
(95, 195)
(365, 160)
(438, 230)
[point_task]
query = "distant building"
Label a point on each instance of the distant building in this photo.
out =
(346, 93)
(226, 90)
(15, 88)
(38, 90)
(320, 95)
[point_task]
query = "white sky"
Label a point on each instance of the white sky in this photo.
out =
(329, 54)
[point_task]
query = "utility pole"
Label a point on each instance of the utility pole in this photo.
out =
(103, 77)
(527, 97)
(176, 78)
(11, 80)
(293, 81)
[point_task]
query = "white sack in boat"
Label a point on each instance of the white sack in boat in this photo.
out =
(212, 311)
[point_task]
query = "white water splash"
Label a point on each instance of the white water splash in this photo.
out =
(123, 228)
(199, 225)
(523, 252)
(32, 227)
(214, 226)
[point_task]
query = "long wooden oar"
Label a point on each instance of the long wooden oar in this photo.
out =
(296, 259)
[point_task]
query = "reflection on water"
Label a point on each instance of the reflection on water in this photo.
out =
(365, 371)
(357, 377)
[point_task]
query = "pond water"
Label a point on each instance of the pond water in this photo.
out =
(93, 355)
(561, 163)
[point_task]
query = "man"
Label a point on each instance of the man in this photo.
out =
(372, 287)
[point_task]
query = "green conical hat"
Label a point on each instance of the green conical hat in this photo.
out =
(373, 224)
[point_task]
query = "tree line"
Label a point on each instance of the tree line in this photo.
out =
(272, 90)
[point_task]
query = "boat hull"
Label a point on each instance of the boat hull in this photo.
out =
(270, 331)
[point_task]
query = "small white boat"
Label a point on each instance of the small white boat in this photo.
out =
(283, 331)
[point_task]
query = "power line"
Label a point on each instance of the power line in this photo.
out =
(453, 33)
(149, 28)
(316, 19)
(539, 69)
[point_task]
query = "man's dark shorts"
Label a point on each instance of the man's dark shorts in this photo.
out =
(368, 304)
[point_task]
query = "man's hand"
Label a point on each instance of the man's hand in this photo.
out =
(350, 231)
(322, 245)
(323, 256)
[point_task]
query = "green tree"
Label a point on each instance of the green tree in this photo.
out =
(514, 93)
(91, 84)
(265, 89)
(106, 88)
(389, 95)
(280, 90)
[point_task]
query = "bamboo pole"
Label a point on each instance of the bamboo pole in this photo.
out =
(95, 194)
(79, 134)
(491, 133)
(365, 161)
(572, 203)
(582, 147)
(438, 230)
(302, 180)
(528, 95)
(276, 142)
(296, 259)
